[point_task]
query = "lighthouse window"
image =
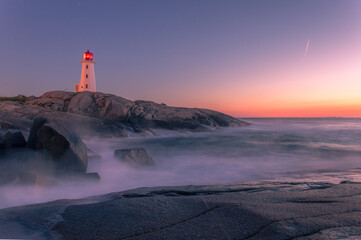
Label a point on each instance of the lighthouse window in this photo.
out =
(86, 85)
(86, 66)
(86, 76)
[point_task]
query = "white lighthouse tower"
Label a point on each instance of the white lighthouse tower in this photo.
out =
(87, 77)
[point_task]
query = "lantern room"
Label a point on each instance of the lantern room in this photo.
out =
(88, 56)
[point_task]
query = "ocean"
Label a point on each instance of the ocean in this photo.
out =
(270, 148)
(285, 149)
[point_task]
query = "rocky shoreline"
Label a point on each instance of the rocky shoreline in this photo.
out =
(40, 142)
(108, 115)
(56, 122)
(257, 210)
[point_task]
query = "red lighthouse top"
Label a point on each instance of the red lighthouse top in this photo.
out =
(88, 56)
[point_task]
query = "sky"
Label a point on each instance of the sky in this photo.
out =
(247, 58)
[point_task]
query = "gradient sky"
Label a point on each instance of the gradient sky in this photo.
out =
(246, 57)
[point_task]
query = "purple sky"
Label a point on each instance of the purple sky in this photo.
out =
(204, 53)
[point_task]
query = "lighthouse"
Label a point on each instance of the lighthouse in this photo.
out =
(87, 77)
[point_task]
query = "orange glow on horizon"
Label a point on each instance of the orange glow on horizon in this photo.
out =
(327, 85)
(301, 111)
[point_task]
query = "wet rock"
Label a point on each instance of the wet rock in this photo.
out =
(94, 176)
(66, 148)
(14, 140)
(33, 141)
(135, 157)
(2, 141)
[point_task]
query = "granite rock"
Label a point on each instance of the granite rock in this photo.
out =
(135, 157)
(65, 147)
(88, 113)
(263, 210)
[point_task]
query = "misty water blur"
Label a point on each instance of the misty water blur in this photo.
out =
(326, 149)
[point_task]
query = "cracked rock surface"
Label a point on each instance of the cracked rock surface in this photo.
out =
(259, 210)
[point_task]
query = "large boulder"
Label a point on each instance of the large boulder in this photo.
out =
(105, 106)
(2, 141)
(115, 108)
(152, 115)
(81, 103)
(67, 150)
(14, 140)
(135, 157)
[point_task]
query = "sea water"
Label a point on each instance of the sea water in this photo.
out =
(272, 148)
(286, 149)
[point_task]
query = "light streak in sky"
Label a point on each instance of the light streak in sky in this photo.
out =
(308, 44)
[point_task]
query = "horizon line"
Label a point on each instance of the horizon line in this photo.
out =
(298, 117)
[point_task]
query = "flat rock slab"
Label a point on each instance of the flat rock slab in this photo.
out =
(263, 210)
